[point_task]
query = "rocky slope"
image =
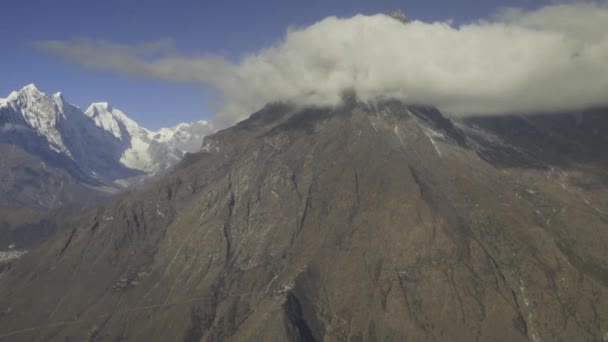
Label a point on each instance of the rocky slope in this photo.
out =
(25, 181)
(100, 147)
(359, 223)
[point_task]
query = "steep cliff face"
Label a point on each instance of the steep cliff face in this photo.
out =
(358, 223)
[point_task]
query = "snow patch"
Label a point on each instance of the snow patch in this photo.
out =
(159, 212)
(11, 255)
(397, 133)
(137, 157)
(430, 133)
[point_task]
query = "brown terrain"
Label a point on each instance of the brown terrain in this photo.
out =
(359, 223)
(30, 190)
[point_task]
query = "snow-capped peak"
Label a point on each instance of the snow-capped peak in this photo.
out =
(4, 101)
(143, 152)
(11, 97)
(28, 93)
(40, 112)
(111, 120)
(31, 88)
(101, 106)
(104, 108)
(399, 15)
(31, 93)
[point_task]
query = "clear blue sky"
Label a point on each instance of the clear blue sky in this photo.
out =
(229, 28)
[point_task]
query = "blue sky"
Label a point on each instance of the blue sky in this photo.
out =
(228, 28)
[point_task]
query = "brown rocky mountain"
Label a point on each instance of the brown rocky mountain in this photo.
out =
(359, 223)
(29, 188)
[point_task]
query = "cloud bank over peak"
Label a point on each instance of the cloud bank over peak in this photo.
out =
(548, 60)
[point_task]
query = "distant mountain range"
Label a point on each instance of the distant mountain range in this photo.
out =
(98, 148)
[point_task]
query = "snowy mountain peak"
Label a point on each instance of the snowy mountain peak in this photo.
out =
(27, 95)
(148, 151)
(104, 117)
(34, 109)
(31, 93)
(113, 120)
(101, 106)
(98, 108)
(106, 109)
(399, 15)
(31, 88)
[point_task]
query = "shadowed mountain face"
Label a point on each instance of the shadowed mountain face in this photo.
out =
(359, 223)
(541, 141)
(26, 181)
(29, 187)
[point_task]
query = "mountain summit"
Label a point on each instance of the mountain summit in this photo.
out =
(362, 222)
(399, 15)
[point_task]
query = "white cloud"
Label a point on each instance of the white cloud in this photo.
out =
(578, 21)
(551, 59)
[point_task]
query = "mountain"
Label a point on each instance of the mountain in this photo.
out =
(28, 182)
(399, 15)
(150, 151)
(100, 147)
(363, 222)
